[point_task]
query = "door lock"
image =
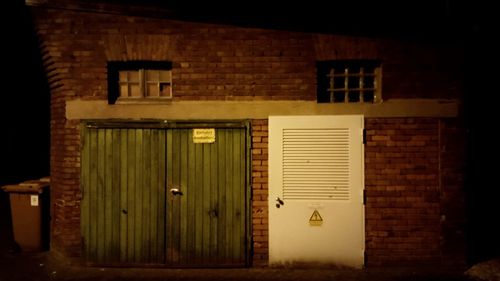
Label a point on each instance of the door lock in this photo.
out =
(175, 191)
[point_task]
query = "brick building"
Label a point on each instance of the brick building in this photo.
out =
(131, 93)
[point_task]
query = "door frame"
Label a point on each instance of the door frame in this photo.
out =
(177, 124)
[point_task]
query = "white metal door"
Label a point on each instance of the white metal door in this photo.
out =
(316, 182)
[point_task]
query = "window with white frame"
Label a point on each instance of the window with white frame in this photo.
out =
(349, 81)
(139, 81)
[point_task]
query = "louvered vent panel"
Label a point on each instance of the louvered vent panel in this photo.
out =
(316, 164)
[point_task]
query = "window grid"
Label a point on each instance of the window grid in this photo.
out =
(145, 83)
(349, 82)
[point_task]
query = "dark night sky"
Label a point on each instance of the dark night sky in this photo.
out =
(410, 18)
(413, 19)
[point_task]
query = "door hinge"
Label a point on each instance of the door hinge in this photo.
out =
(364, 136)
(364, 197)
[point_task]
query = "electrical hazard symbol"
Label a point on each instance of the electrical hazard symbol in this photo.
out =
(315, 219)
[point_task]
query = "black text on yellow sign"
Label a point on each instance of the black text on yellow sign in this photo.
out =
(204, 135)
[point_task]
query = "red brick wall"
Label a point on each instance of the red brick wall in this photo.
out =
(402, 190)
(413, 185)
(425, 70)
(64, 156)
(65, 183)
(214, 62)
(260, 221)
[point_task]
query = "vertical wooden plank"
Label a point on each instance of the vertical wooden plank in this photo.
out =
(101, 180)
(233, 195)
(123, 190)
(176, 161)
(237, 195)
(244, 197)
(131, 193)
(205, 204)
(85, 186)
(168, 196)
(222, 222)
(115, 193)
(162, 199)
(153, 201)
(214, 204)
(229, 198)
(241, 195)
(146, 195)
(108, 194)
(191, 199)
(184, 174)
(198, 190)
(138, 196)
(92, 198)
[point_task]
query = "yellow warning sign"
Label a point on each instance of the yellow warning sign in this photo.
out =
(204, 135)
(315, 219)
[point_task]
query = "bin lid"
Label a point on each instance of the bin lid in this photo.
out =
(26, 187)
(45, 179)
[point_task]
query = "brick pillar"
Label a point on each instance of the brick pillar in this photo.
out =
(260, 222)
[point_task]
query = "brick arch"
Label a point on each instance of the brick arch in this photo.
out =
(141, 47)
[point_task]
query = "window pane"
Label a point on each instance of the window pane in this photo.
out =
(323, 96)
(123, 90)
(368, 96)
(152, 75)
(339, 96)
(356, 69)
(345, 70)
(135, 90)
(123, 76)
(152, 90)
(369, 69)
(353, 82)
(339, 82)
(353, 96)
(164, 76)
(165, 90)
(368, 82)
(133, 76)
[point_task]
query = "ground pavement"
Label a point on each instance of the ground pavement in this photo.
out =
(46, 266)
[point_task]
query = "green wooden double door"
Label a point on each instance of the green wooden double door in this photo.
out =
(152, 196)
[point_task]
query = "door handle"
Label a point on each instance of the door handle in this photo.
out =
(280, 202)
(175, 191)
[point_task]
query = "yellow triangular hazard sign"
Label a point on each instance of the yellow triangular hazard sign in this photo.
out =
(315, 219)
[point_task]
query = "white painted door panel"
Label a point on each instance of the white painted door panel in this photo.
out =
(316, 164)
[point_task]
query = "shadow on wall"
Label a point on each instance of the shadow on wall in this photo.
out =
(25, 106)
(24, 111)
(7, 243)
(481, 182)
